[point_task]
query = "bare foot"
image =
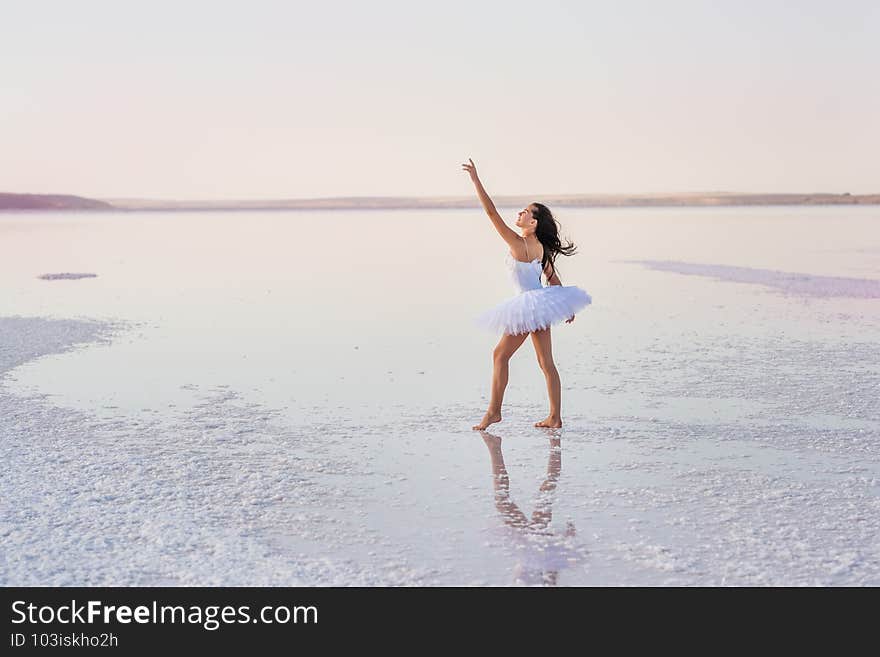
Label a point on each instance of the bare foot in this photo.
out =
(550, 422)
(488, 418)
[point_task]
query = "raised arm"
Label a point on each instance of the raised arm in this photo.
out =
(506, 232)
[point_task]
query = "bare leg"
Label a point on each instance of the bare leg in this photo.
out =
(544, 351)
(505, 348)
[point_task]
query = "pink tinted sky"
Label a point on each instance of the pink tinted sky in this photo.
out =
(297, 99)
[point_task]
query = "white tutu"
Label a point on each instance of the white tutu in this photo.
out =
(535, 307)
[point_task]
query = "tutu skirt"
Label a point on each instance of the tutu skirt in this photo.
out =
(534, 310)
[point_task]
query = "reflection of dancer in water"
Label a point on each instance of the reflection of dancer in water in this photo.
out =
(535, 307)
(541, 553)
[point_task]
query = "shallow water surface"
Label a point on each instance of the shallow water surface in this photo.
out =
(223, 402)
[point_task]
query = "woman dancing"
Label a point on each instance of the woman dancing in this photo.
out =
(535, 307)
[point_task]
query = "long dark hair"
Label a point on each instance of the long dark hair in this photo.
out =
(547, 232)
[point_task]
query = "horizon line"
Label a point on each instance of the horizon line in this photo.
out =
(465, 197)
(10, 201)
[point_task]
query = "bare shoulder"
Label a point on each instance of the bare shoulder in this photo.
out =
(526, 252)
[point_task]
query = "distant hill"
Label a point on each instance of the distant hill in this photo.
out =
(50, 202)
(553, 200)
(697, 199)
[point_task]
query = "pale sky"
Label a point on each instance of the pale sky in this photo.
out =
(251, 99)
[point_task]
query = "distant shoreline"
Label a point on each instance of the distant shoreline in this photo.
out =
(38, 202)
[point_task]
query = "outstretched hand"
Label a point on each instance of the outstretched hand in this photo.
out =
(569, 320)
(471, 169)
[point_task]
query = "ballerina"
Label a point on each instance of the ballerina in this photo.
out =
(535, 308)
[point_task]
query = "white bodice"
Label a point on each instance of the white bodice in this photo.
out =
(525, 275)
